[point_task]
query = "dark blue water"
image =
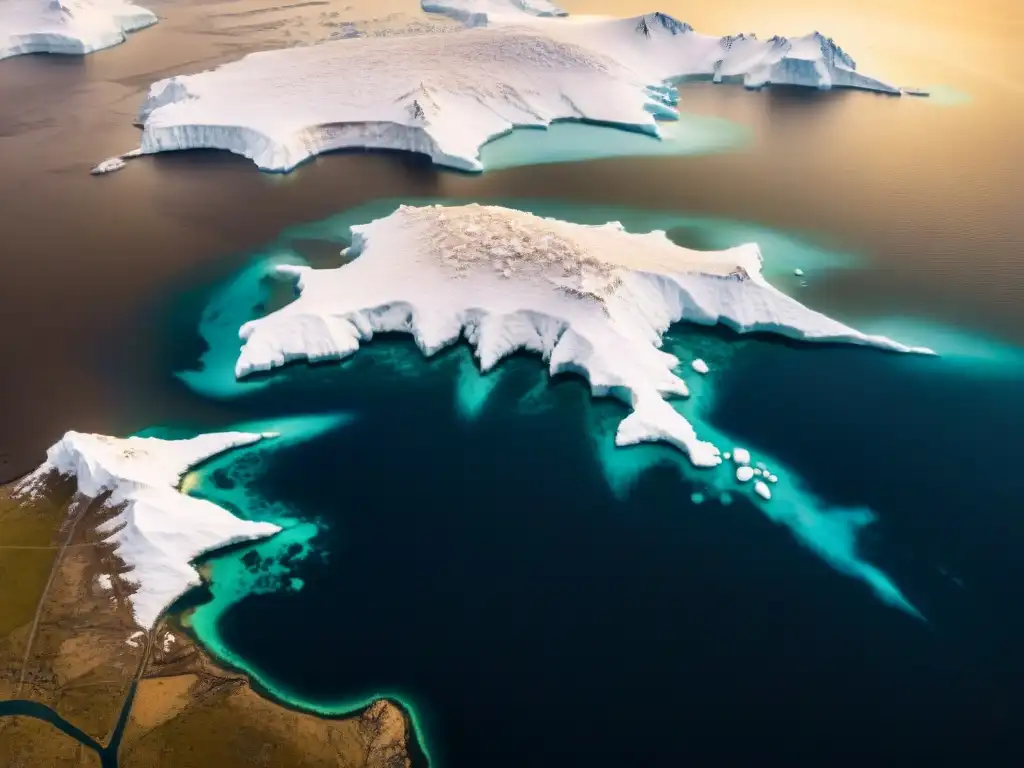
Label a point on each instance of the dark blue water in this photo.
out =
(484, 571)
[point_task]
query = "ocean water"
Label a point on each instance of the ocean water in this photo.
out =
(476, 548)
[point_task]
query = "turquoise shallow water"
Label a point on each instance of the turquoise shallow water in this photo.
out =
(571, 141)
(441, 489)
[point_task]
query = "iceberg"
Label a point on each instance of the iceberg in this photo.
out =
(157, 530)
(67, 26)
(479, 13)
(592, 300)
(446, 95)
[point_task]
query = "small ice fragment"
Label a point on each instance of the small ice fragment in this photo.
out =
(762, 490)
(773, 478)
(726, 455)
(798, 272)
(741, 455)
(761, 465)
(109, 165)
(697, 498)
(743, 474)
(758, 472)
(700, 366)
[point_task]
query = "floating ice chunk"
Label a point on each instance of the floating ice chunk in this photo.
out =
(700, 366)
(743, 474)
(741, 455)
(758, 472)
(798, 272)
(67, 26)
(418, 271)
(158, 531)
(109, 165)
(773, 478)
(447, 94)
(762, 490)
(727, 455)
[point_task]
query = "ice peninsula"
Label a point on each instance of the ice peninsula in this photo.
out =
(445, 95)
(592, 300)
(158, 530)
(67, 26)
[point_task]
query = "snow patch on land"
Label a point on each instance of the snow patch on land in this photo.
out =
(446, 95)
(593, 300)
(67, 26)
(158, 530)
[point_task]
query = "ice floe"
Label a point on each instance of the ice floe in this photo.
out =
(446, 95)
(592, 300)
(67, 26)
(744, 474)
(157, 530)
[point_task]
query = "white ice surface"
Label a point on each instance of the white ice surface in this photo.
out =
(700, 366)
(446, 95)
(592, 300)
(67, 26)
(158, 530)
(741, 455)
(762, 490)
(744, 473)
(479, 13)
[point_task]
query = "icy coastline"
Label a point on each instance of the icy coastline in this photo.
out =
(157, 530)
(73, 27)
(592, 300)
(446, 95)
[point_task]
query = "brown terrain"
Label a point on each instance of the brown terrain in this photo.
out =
(68, 641)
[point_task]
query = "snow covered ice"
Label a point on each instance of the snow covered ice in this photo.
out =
(592, 300)
(446, 95)
(67, 26)
(159, 530)
(478, 13)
